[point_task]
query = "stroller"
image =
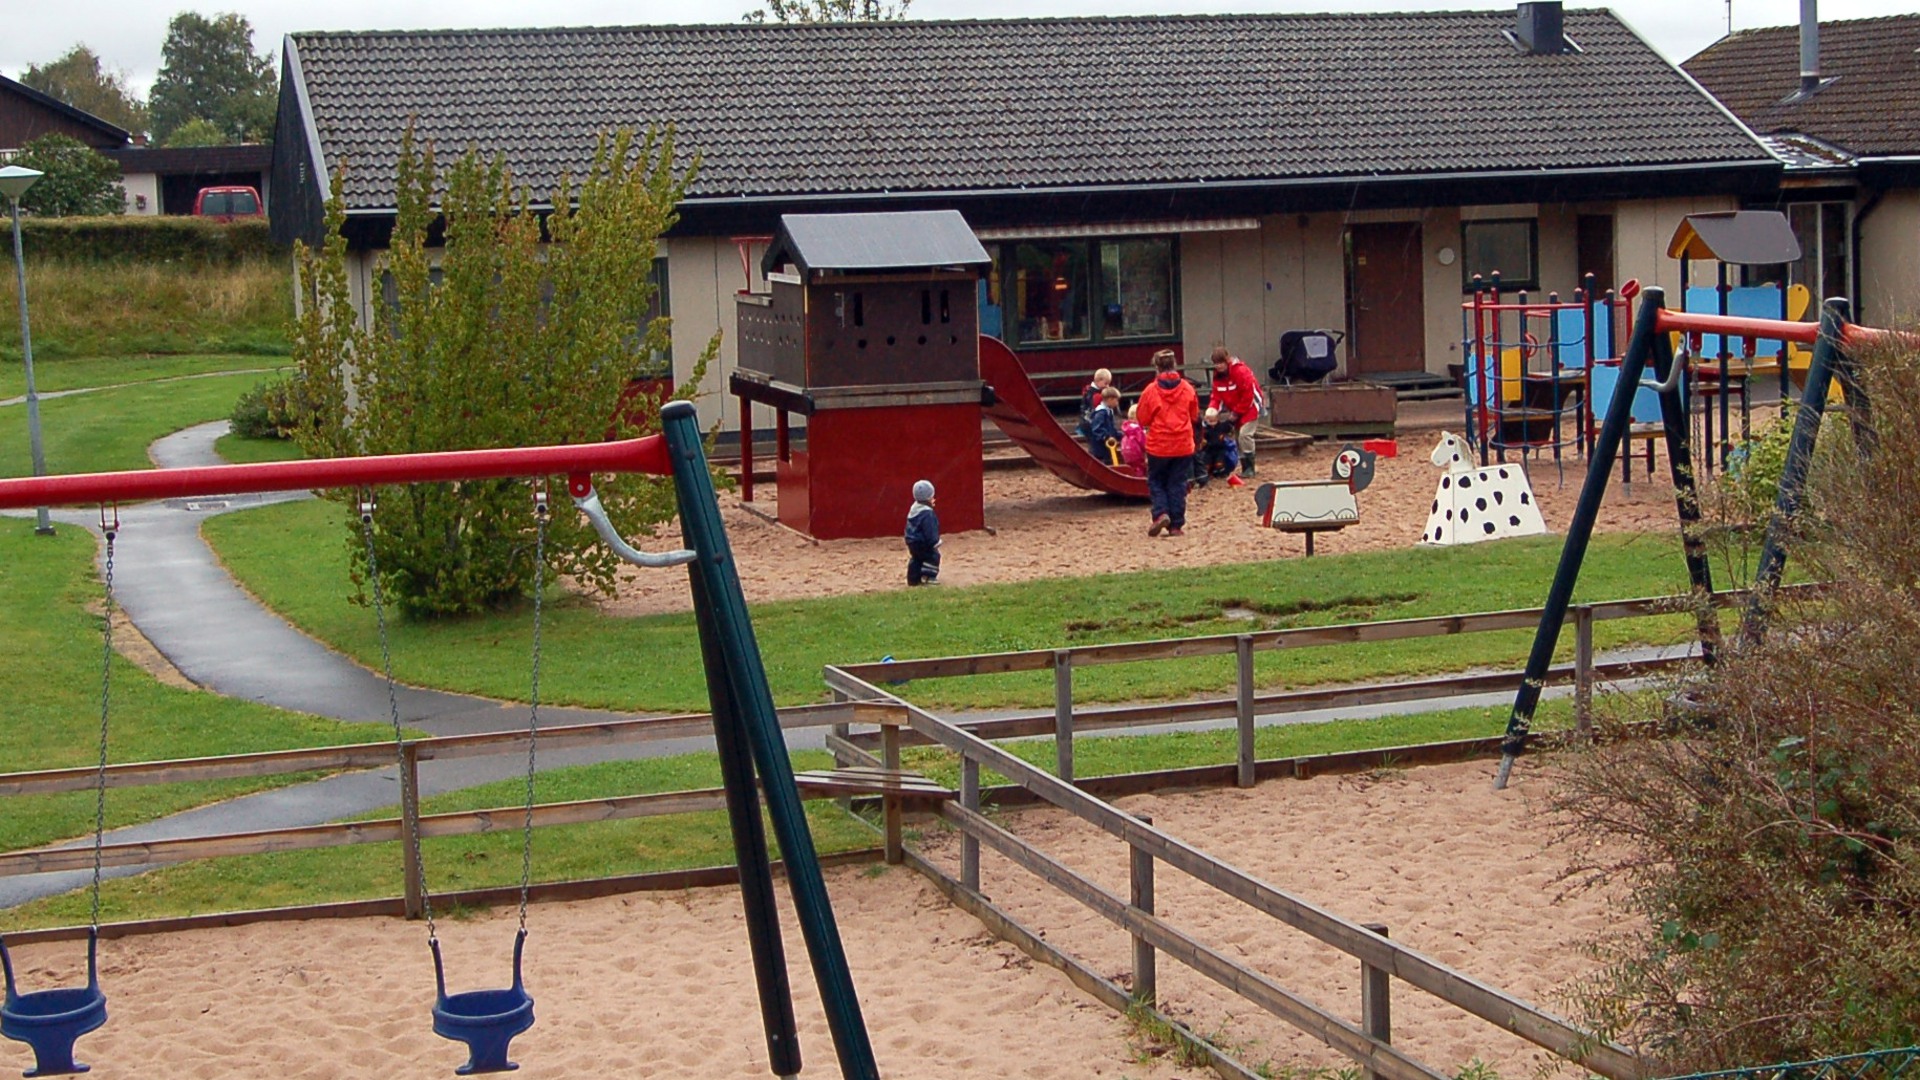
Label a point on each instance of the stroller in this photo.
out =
(1306, 356)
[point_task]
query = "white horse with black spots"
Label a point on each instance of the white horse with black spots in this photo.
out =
(1474, 504)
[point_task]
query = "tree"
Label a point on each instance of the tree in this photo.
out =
(80, 80)
(502, 340)
(209, 72)
(79, 180)
(197, 132)
(824, 11)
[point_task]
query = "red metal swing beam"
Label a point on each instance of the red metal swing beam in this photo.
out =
(643, 455)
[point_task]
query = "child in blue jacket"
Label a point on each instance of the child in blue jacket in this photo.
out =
(923, 537)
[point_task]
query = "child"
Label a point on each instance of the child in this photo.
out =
(923, 537)
(1133, 442)
(1102, 431)
(1089, 400)
(1220, 450)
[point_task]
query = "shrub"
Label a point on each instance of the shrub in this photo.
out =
(270, 410)
(506, 340)
(80, 180)
(1773, 859)
(163, 239)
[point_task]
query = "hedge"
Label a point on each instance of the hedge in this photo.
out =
(192, 240)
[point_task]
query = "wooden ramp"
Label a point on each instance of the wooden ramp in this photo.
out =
(1019, 411)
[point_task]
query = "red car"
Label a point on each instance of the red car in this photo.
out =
(227, 203)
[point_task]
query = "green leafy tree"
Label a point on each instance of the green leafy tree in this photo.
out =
(495, 339)
(197, 132)
(209, 72)
(825, 11)
(79, 180)
(82, 81)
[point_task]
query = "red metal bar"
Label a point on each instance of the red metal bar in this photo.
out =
(644, 455)
(1667, 319)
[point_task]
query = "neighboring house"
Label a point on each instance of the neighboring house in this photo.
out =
(165, 180)
(1140, 182)
(1849, 132)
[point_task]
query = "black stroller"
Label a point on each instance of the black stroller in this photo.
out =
(1306, 356)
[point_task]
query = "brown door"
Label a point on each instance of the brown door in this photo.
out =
(1386, 319)
(1593, 246)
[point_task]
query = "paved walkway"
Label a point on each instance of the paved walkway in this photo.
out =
(173, 588)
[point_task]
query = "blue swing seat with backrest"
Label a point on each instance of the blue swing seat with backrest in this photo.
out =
(486, 1020)
(50, 1021)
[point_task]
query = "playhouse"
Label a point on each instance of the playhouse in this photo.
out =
(869, 332)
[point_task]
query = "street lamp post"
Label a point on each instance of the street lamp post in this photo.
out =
(14, 182)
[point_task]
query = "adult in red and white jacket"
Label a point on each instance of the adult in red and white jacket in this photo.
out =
(1236, 390)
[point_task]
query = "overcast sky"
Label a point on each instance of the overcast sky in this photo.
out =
(128, 34)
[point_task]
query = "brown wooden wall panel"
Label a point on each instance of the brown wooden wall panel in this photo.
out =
(875, 331)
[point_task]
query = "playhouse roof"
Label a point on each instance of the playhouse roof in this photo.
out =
(907, 240)
(1016, 106)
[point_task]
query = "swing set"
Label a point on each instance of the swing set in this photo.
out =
(747, 733)
(1833, 340)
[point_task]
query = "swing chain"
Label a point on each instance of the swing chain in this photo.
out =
(110, 529)
(541, 514)
(409, 781)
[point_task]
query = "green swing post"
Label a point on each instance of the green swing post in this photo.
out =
(724, 612)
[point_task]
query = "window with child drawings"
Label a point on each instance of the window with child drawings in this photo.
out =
(1081, 291)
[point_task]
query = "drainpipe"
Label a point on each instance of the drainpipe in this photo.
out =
(1859, 218)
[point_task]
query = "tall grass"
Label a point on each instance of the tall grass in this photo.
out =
(80, 308)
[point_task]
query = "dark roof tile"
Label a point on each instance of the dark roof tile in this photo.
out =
(921, 106)
(1867, 109)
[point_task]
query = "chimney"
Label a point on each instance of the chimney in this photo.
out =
(1809, 46)
(1539, 28)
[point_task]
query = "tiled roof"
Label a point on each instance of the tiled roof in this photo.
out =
(1869, 108)
(921, 106)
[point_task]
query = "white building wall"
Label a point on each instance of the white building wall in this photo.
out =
(142, 191)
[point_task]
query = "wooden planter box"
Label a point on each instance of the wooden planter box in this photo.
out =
(1337, 409)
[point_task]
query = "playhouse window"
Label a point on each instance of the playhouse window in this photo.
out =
(1054, 285)
(1508, 247)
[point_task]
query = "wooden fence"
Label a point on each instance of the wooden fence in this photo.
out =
(1368, 1044)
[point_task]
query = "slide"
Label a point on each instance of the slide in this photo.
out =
(1018, 410)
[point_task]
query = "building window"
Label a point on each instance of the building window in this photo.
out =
(1825, 265)
(659, 365)
(1136, 288)
(1081, 292)
(1509, 248)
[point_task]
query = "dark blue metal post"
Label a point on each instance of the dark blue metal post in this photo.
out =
(747, 679)
(1613, 430)
(1829, 359)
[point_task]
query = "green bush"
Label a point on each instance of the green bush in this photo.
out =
(164, 239)
(78, 180)
(265, 412)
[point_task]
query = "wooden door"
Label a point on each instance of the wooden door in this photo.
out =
(1386, 316)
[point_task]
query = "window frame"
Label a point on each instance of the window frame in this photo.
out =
(1004, 267)
(1467, 270)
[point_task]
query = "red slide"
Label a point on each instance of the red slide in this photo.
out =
(1024, 417)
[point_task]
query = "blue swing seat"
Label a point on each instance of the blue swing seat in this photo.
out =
(486, 1020)
(51, 1021)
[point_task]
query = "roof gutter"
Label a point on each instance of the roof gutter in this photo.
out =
(1770, 164)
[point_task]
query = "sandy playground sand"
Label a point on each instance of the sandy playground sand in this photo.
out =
(661, 985)
(1045, 528)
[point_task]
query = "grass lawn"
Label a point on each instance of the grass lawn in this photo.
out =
(243, 451)
(111, 430)
(92, 371)
(50, 646)
(295, 556)
(686, 840)
(92, 308)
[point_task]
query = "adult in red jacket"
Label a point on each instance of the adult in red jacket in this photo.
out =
(1168, 410)
(1234, 391)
